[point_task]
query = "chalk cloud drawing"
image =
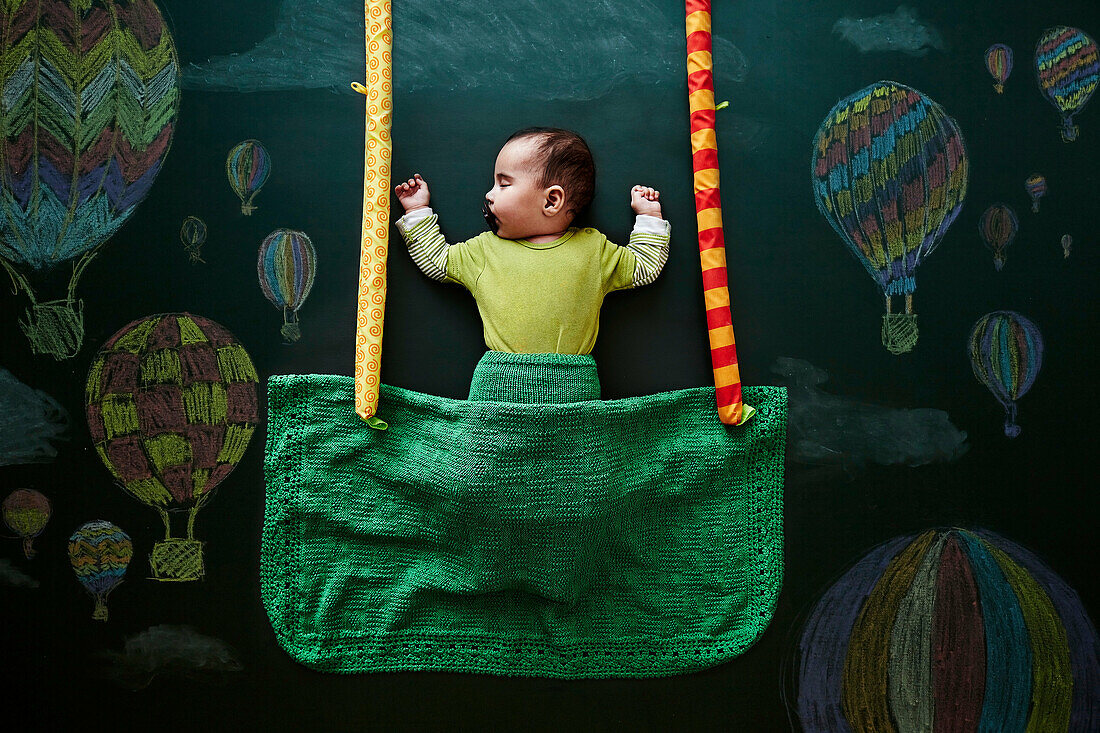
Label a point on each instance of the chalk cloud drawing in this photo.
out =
(898, 31)
(949, 629)
(829, 429)
(29, 421)
(527, 48)
(13, 577)
(168, 649)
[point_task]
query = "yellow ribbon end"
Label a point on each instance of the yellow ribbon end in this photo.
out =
(358, 87)
(375, 423)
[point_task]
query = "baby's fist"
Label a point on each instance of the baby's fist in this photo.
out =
(644, 200)
(413, 193)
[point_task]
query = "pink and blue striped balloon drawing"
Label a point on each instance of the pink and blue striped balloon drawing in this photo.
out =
(1067, 65)
(100, 552)
(998, 227)
(1036, 187)
(247, 167)
(88, 109)
(949, 630)
(286, 267)
(1006, 353)
(890, 173)
(998, 61)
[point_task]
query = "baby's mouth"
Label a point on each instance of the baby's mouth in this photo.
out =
(490, 218)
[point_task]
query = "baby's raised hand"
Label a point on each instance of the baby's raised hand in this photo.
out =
(644, 200)
(413, 193)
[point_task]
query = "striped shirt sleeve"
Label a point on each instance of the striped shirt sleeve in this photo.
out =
(426, 243)
(649, 243)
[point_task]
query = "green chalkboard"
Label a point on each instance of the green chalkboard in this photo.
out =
(881, 445)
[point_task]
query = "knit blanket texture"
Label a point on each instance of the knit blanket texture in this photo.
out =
(532, 529)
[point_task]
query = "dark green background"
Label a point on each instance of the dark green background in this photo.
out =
(795, 291)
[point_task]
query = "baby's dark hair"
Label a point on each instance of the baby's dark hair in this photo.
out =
(566, 162)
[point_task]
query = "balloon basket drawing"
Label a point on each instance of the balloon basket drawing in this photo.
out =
(55, 327)
(899, 332)
(177, 560)
(290, 331)
(100, 612)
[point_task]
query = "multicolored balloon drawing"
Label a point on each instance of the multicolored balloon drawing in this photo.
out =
(193, 236)
(90, 100)
(1067, 245)
(1067, 65)
(998, 61)
(26, 512)
(1036, 187)
(100, 553)
(890, 172)
(286, 267)
(998, 227)
(171, 407)
(247, 167)
(1006, 353)
(949, 630)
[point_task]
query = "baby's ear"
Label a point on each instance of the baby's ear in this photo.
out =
(555, 200)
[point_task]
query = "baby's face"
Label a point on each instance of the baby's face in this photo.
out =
(515, 200)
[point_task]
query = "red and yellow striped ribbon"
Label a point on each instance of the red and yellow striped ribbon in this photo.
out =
(708, 208)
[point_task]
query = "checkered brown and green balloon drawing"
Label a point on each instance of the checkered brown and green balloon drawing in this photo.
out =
(171, 407)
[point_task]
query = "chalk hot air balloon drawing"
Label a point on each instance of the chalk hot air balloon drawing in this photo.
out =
(1067, 245)
(949, 630)
(890, 172)
(1006, 353)
(247, 166)
(998, 227)
(1067, 65)
(286, 267)
(100, 552)
(1036, 187)
(26, 512)
(998, 60)
(193, 236)
(171, 406)
(89, 102)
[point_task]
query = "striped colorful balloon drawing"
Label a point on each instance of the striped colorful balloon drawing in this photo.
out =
(286, 267)
(997, 228)
(247, 166)
(26, 512)
(99, 553)
(1036, 187)
(171, 405)
(89, 102)
(998, 61)
(949, 630)
(708, 208)
(1006, 353)
(1067, 65)
(890, 172)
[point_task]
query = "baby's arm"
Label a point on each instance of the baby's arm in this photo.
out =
(420, 228)
(649, 239)
(427, 245)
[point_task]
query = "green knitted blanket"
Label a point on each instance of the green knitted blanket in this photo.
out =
(521, 531)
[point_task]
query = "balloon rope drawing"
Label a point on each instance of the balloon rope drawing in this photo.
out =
(99, 553)
(374, 246)
(998, 60)
(171, 407)
(1067, 66)
(1006, 353)
(286, 267)
(890, 172)
(247, 166)
(90, 96)
(708, 211)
